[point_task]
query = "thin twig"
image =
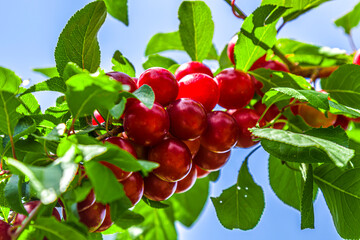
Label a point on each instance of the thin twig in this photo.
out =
(281, 26)
(352, 43)
(25, 223)
(235, 8)
(111, 133)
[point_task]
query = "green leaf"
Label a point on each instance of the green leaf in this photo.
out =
(338, 108)
(158, 224)
(307, 207)
(86, 93)
(241, 205)
(118, 109)
(128, 219)
(257, 35)
(56, 84)
(54, 229)
(314, 98)
(336, 135)
(122, 64)
(274, 79)
(29, 105)
(4, 206)
(349, 20)
(163, 42)
(9, 82)
(48, 72)
(196, 29)
(154, 204)
(190, 204)
(13, 194)
(343, 85)
(146, 95)
(8, 115)
(296, 147)
(342, 195)
(157, 60)
(118, 9)
(78, 41)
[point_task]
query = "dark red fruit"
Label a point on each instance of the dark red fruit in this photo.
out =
(201, 173)
(29, 207)
(174, 158)
(211, 161)
(87, 202)
(4, 230)
(146, 126)
(158, 190)
(124, 79)
(221, 133)
(134, 187)
(230, 48)
(162, 82)
(246, 118)
(200, 87)
(236, 88)
(192, 67)
(187, 118)
(107, 223)
(342, 121)
(93, 216)
(98, 117)
(193, 146)
(189, 181)
(271, 113)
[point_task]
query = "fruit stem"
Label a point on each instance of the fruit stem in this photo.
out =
(113, 132)
(12, 148)
(25, 223)
(239, 14)
(352, 43)
(251, 153)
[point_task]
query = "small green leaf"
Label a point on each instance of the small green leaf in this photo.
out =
(118, 109)
(163, 42)
(56, 84)
(241, 205)
(9, 82)
(118, 9)
(4, 206)
(146, 95)
(349, 20)
(196, 29)
(296, 147)
(8, 115)
(13, 194)
(122, 64)
(307, 207)
(48, 72)
(78, 41)
(157, 60)
(154, 204)
(128, 219)
(29, 105)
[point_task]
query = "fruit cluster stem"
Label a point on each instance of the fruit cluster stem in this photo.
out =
(113, 132)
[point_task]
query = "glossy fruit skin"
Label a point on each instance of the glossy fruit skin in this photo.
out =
(271, 113)
(4, 230)
(193, 146)
(201, 173)
(192, 67)
(246, 118)
(87, 202)
(158, 190)
(211, 161)
(200, 87)
(221, 133)
(174, 158)
(94, 216)
(236, 88)
(124, 79)
(230, 48)
(98, 117)
(186, 183)
(146, 126)
(316, 118)
(29, 207)
(162, 82)
(342, 121)
(134, 187)
(356, 59)
(187, 118)
(107, 223)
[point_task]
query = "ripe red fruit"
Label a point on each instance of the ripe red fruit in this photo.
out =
(87, 202)
(356, 59)
(134, 187)
(187, 118)
(146, 126)
(230, 48)
(124, 79)
(221, 133)
(201, 173)
(200, 87)
(107, 223)
(211, 161)
(246, 118)
(193, 146)
(271, 113)
(187, 182)
(342, 121)
(162, 82)
(98, 117)
(4, 230)
(236, 88)
(29, 207)
(93, 216)
(158, 190)
(192, 67)
(316, 118)
(174, 158)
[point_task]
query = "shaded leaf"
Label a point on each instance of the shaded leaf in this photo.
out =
(122, 64)
(9, 81)
(48, 72)
(56, 84)
(118, 9)
(349, 20)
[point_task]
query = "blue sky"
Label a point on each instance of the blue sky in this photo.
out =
(29, 32)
